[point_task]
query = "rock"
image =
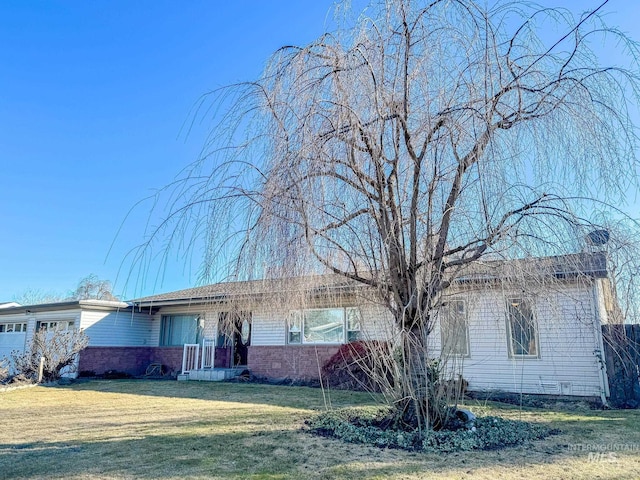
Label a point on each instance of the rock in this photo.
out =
(466, 417)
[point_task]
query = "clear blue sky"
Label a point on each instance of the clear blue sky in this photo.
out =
(93, 97)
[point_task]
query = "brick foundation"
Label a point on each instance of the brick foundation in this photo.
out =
(131, 360)
(300, 362)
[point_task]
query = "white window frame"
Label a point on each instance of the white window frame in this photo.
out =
(445, 329)
(13, 327)
(515, 302)
(351, 327)
(55, 325)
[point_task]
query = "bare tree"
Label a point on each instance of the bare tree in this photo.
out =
(32, 296)
(419, 140)
(91, 287)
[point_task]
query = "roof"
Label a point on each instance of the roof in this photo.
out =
(577, 265)
(560, 267)
(223, 291)
(66, 305)
(9, 304)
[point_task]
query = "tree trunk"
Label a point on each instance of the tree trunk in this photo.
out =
(422, 399)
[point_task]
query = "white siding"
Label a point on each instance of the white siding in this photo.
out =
(269, 328)
(117, 328)
(377, 322)
(566, 341)
(155, 330)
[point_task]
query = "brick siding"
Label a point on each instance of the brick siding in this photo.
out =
(300, 362)
(131, 360)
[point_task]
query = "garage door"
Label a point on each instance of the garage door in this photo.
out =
(12, 337)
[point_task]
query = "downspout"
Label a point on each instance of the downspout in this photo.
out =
(599, 351)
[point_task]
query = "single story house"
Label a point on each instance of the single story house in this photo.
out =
(542, 339)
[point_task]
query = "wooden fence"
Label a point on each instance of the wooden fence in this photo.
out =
(622, 356)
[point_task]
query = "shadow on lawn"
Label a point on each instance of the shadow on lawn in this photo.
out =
(271, 454)
(251, 393)
(150, 457)
(241, 444)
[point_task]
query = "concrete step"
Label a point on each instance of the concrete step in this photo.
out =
(214, 374)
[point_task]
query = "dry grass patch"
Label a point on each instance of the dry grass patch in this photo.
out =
(146, 429)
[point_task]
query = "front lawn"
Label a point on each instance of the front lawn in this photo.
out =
(159, 429)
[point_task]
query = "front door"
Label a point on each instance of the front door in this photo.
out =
(241, 338)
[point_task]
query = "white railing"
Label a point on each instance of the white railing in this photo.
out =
(190, 357)
(193, 358)
(208, 352)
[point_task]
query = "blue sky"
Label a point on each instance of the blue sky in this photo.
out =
(93, 100)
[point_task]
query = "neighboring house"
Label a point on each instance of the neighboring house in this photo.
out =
(105, 322)
(542, 339)
(9, 304)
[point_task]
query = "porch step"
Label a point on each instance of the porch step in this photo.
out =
(214, 374)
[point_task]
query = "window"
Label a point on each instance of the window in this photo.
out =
(176, 330)
(521, 328)
(454, 328)
(55, 325)
(295, 327)
(324, 325)
(354, 324)
(13, 327)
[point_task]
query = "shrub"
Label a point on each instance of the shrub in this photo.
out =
(4, 369)
(372, 427)
(357, 366)
(379, 367)
(59, 349)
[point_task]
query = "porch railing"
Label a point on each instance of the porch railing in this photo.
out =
(190, 357)
(208, 351)
(196, 356)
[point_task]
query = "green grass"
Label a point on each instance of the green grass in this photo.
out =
(144, 429)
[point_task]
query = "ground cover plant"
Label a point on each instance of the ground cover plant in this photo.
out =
(129, 429)
(375, 427)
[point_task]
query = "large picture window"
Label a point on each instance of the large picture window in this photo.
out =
(176, 330)
(324, 325)
(521, 328)
(454, 328)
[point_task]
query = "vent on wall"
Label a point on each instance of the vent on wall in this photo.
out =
(566, 388)
(549, 387)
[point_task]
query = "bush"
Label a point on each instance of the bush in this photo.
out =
(372, 427)
(356, 366)
(4, 370)
(59, 349)
(378, 367)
